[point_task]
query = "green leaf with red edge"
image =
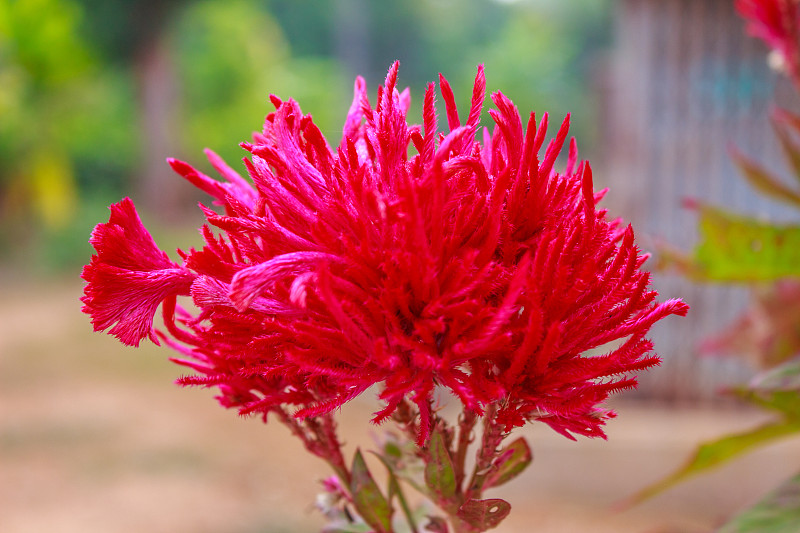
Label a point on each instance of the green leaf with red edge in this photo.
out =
(776, 389)
(778, 512)
(440, 474)
(511, 461)
(738, 248)
(763, 180)
(367, 497)
(715, 453)
(484, 514)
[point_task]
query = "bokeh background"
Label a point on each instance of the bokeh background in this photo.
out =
(95, 94)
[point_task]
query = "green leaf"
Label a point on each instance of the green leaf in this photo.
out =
(738, 248)
(395, 489)
(440, 476)
(777, 389)
(715, 453)
(484, 514)
(779, 512)
(765, 182)
(513, 459)
(785, 377)
(367, 497)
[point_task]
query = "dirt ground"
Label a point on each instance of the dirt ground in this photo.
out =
(94, 437)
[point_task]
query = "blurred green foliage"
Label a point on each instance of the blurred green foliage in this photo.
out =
(230, 58)
(71, 132)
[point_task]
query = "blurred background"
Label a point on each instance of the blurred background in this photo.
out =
(95, 94)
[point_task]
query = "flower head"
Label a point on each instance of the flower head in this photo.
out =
(473, 266)
(777, 23)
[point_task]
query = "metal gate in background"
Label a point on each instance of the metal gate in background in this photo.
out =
(684, 84)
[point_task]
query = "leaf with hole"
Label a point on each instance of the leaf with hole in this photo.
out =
(484, 514)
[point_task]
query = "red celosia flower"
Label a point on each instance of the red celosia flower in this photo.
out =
(473, 266)
(777, 23)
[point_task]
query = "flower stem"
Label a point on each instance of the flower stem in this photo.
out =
(466, 424)
(493, 435)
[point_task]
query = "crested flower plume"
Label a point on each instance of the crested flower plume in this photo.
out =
(470, 265)
(777, 23)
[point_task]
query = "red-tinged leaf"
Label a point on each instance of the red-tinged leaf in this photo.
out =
(766, 333)
(738, 248)
(484, 514)
(367, 497)
(513, 459)
(439, 473)
(786, 118)
(790, 148)
(715, 453)
(779, 512)
(763, 181)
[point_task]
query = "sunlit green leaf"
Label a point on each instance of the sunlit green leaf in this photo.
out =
(439, 473)
(738, 248)
(715, 453)
(779, 512)
(484, 514)
(513, 459)
(367, 497)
